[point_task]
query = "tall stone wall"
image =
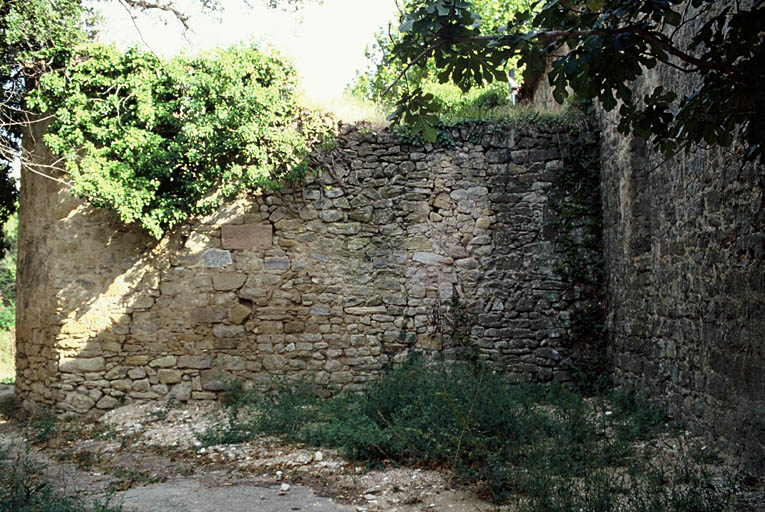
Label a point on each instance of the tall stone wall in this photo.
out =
(35, 375)
(685, 260)
(331, 280)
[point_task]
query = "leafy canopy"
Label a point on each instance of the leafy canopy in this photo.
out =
(597, 48)
(383, 66)
(387, 76)
(158, 140)
(39, 37)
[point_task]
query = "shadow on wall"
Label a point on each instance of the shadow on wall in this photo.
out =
(685, 255)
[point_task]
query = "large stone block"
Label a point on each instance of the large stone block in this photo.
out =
(163, 362)
(229, 281)
(294, 327)
(238, 314)
(214, 380)
(428, 258)
(232, 363)
(142, 385)
(136, 373)
(197, 362)
(82, 364)
(122, 384)
(216, 258)
(78, 402)
(169, 375)
(210, 315)
(107, 402)
(182, 391)
(257, 237)
(227, 331)
(274, 362)
(276, 263)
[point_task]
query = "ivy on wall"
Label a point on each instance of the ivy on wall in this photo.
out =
(158, 141)
(575, 200)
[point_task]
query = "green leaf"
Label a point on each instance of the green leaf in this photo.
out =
(406, 25)
(595, 5)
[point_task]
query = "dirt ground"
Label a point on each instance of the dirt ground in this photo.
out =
(148, 457)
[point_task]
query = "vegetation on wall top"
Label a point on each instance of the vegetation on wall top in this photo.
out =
(38, 37)
(377, 81)
(158, 140)
(597, 48)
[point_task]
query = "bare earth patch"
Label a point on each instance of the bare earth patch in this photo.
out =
(148, 456)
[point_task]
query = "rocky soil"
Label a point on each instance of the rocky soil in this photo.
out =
(148, 458)
(144, 453)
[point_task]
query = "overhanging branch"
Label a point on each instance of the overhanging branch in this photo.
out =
(654, 38)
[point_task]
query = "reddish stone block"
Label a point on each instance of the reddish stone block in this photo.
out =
(247, 236)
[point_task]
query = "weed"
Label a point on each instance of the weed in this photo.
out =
(284, 409)
(461, 321)
(640, 419)
(24, 488)
(83, 459)
(130, 477)
(45, 428)
(548, 444)
(161, 414)
(104, 431)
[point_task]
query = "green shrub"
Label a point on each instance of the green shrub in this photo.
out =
(157, 141)
(45, 428)
(7, 318)
(8, 274)
(640, 419)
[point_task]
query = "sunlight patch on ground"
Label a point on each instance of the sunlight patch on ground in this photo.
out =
(7, 356)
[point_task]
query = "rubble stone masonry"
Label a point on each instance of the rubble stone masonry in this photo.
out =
(685, 264)
(330, 280)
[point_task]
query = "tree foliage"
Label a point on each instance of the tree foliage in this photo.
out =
(598, 48)
(158, 141)
(29, 31)
(116, 111)
(384, 68)
(8, 274)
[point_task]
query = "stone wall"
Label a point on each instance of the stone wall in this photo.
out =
(331, 280)
(685, 260)
(35, 371)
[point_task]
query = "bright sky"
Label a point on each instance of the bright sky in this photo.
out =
(326, 42)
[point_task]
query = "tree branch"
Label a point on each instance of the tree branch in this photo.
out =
(408, 66)
(147, 5)
(649, 36)
(125, 5)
